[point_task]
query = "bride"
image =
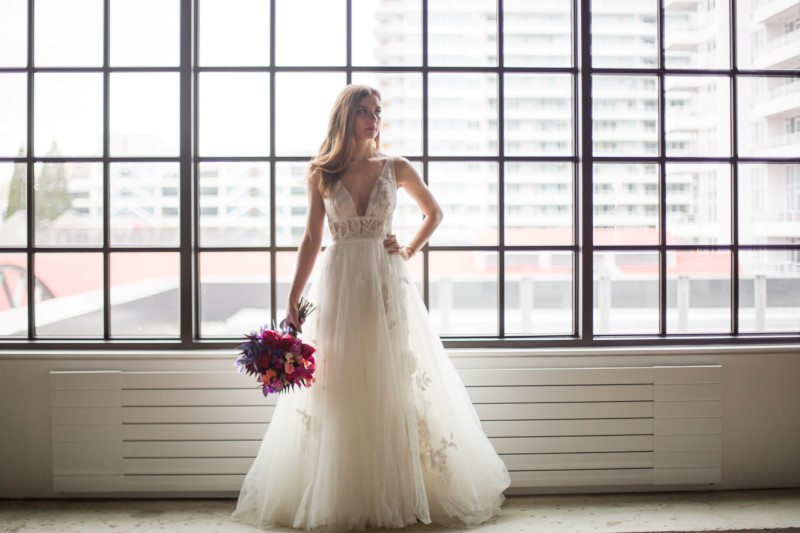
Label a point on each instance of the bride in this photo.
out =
(387, 435)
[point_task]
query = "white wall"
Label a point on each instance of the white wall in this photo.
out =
(761, 397)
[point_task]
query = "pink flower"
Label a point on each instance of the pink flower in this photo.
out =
(306, 350)
(270, 338)
(288, 368)
(286, 342)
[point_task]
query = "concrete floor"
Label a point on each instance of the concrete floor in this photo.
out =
(764, 510)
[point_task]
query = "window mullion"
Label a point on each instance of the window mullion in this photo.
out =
(273, 260)
(501, 259)
(29, 182)
(188, 202)
(734, 173)
(662, 177)
(585, 287)
(106, 176)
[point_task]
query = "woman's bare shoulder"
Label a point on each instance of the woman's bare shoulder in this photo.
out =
(403, 170)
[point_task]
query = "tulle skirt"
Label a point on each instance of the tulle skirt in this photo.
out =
(387, 435)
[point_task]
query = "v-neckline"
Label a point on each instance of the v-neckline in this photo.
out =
(371, 192)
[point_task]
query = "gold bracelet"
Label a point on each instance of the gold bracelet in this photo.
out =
(407, 247)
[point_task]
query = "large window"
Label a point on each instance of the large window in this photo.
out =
(612, 172)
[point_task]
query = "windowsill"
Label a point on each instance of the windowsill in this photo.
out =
(455, 353)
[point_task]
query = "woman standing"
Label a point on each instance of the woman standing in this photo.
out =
(387, 435)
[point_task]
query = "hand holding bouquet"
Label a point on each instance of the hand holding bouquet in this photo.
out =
(278, 358)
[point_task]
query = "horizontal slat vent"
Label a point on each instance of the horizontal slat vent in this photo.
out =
(563, 427)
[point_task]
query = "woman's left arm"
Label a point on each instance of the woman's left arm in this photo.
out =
(408, 178)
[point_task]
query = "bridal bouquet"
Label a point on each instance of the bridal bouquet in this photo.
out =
(277, 357)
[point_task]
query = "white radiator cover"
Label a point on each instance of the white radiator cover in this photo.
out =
(120, 431)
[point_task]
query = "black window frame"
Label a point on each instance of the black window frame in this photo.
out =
(582, 159)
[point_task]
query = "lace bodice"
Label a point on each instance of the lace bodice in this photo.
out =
(343, 219)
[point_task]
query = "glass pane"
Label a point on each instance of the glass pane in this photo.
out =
(285, 263)
(159, 20)
(698, 292)
(696, 35)
(538, 204)
(768, 34)
(467, 193)
(625, 115)
(626, 293)
(233, 32)
(769, 204)
(322, 21)
(145, 294)
(13, 33)
(234, 293)
(68, 111)
(538, 293)
(234, 204)
(697, 116)
(387, 37)
(415, 268)
(284, 271)
(463, 293)
(303, 103)
(14, 295)
(462, 33)
(233, 114)
(13, 204)
(71, 299)
(291, 204)
(624, 33)
(698, 203)
(538, 114)
(407, 215)
(144, 204)
(144, 114)
(769, 290)
(537, 34)
(68, 34)
(625, 203)
(401, 103)
(69, 204)
(462, 114)
(14, 110)
(768, 117)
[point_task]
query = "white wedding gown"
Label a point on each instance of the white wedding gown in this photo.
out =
(387, 435)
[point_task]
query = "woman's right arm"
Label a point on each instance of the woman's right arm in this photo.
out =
(308, 251)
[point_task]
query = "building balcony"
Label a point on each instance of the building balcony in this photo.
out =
(783, 224)
(626, 7)
(789, 88)
(780, 52)
(680, 5)
(780, 100)
(700, 30)
(772, 267)
(786, 145)
(766, 10)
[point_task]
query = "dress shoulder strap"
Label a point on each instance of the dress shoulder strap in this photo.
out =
(390, 170)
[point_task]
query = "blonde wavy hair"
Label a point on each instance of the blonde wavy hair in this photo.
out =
(336, 150)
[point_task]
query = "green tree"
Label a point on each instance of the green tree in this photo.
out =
(16, 189)
(52, 193)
